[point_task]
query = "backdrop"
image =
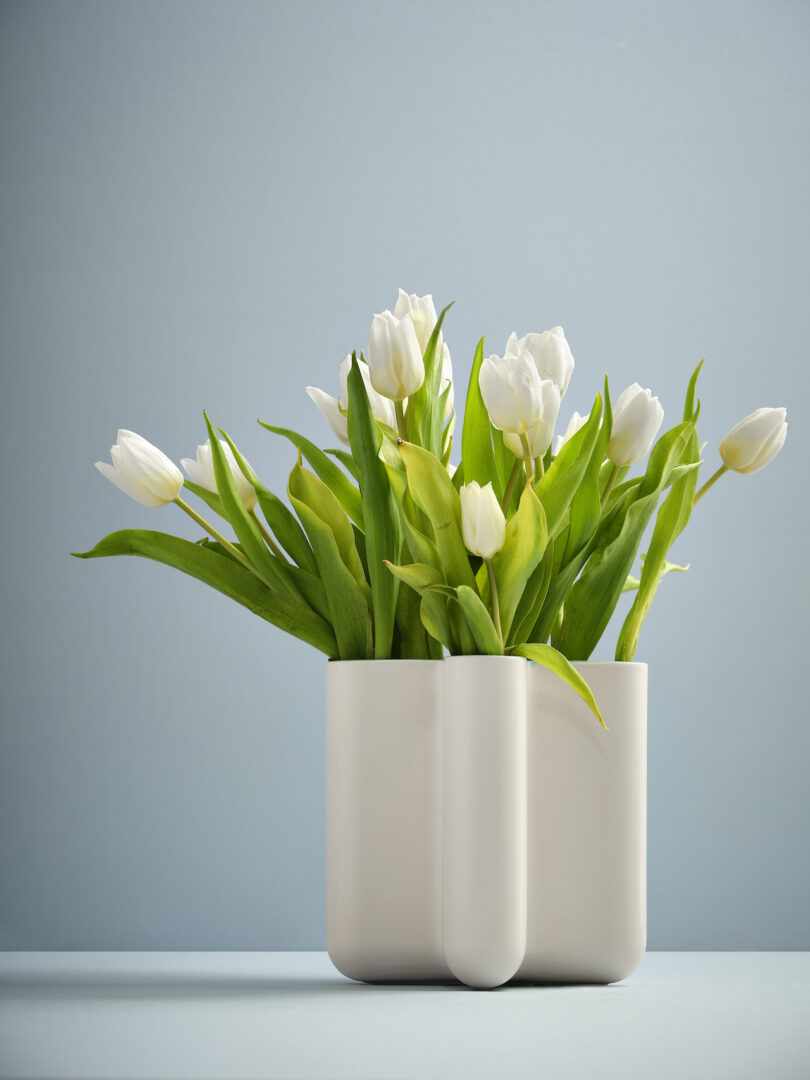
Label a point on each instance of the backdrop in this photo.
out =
(202, 206)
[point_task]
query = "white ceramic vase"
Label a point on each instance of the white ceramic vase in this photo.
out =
(384, 819)
(482, 825)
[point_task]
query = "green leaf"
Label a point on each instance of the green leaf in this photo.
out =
(633, 583)
(436, 619)
(428, 415)
(586, 509)
(417, 575)
(334, 478)
(531, 602)
(380, 515)
(281, 520)
(479, 621)
(549, 658)
(560, 482)
(346, 460)
(434, 494)
(477, 453)
(226, 576)
(307, 488)
(592, 599)
(671, 521)
(521, 554)
(210, 498)
(269, 568)
(350, 616)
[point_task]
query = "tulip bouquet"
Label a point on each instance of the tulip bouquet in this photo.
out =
(387, 551)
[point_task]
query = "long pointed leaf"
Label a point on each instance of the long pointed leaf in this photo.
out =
(550, 658)
(223, 574)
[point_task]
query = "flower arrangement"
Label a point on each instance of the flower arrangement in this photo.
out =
(387, 551)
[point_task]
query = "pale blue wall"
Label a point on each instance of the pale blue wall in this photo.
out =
(201, 206)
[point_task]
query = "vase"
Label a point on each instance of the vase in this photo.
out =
(384, 820)
(587, 826)
(481, 825)
(485, 844)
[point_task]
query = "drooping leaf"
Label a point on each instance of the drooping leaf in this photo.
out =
(417, 575)
(380, 517)
(226, 576)
(550, 658)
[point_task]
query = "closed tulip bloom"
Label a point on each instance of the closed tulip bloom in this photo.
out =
(422, 313)
(201, 471)
(512, 391)
(637, 416)
(483, 524)
(334, 409)
(550, 352)
(394, 356)
(541, 433)
(574, 424)
(755, 441)
(142, 471)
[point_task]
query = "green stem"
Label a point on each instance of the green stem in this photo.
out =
(539, 467)
(237, 554)
(614, 472)
(410, 420)
(527, 457)
(510, 486)
(279, 554)
(493, 599)
(399, 409)
(712, 480)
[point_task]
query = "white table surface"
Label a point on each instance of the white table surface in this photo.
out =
(290, 1016)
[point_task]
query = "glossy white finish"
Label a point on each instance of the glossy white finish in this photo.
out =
(586, 826)
(383, 832)
(484, 817)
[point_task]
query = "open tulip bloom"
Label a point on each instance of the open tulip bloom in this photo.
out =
(387, 551)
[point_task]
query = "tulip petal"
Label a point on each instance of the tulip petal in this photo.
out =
(330, 408)
(129, 485)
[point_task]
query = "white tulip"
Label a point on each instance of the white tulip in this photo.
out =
(394, 356)
(422, 313)
(512, 391)
(142, 471)
(541, 433)
(334, 409)
(483, 524)
(447, 380)
(755, 441)
(637, 416)
(550, 352)
(201, 471)
(574, 424)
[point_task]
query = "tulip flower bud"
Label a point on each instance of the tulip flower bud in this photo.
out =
(334, 409)
(637, 416)
(755, 441)
(513, 392)
(574, 424)
(483, 524)
(142, 471)
(422, 313)
(201, 471)
(394, 356)
(550, 352)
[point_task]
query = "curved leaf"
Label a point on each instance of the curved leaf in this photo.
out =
(550, 658)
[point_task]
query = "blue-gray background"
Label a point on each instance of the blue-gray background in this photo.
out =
(202, 206)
